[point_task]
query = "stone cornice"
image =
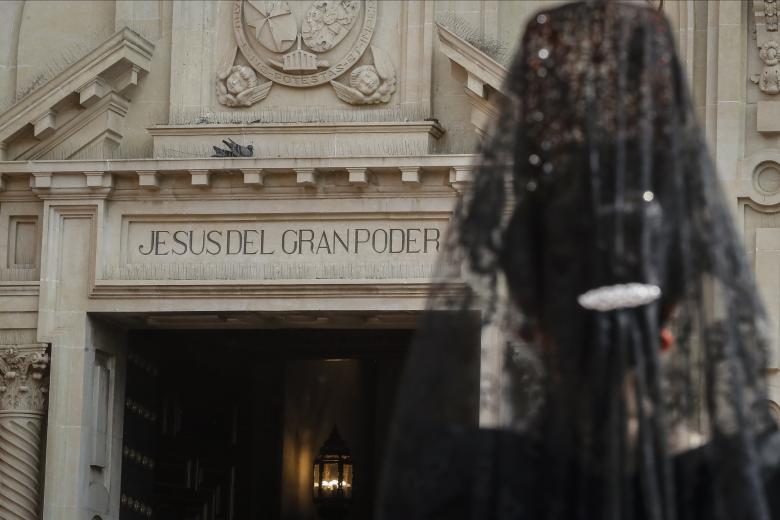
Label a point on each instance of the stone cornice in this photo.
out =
(121, 57)
(246, 288)
(162, 166)
(111, 102)
(332, 139)
(431, 127)
(24, 373)
(96, 179)
(481, 68)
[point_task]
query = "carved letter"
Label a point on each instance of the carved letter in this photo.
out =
(301, 240)
(410, 240)
(433, 238)
(233, 232)
(284, 242)
(212, 241)
(160, 242)
(326, 246)
(399, 241)
(337, 238)
(202, 243)
(262, 244)
(151, 245)
(373, 240)
(248, 242)
(358, 241)
(180, 242)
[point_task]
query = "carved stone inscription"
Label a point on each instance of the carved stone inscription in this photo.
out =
(304, 241)
(276, 249)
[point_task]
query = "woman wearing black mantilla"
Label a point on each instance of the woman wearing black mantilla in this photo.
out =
(596, 255)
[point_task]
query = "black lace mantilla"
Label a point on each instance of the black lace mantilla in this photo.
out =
(597, 175)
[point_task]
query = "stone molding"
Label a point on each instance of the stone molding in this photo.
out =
(345, 139)
(230, 164)
(484, 77)
(759, 178)
(379, 127)
(102, 123)
(237, 289)
(23, 389)
(114, 66)
(97, 179)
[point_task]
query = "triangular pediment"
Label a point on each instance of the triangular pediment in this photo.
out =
(70, 107)
(483, 76)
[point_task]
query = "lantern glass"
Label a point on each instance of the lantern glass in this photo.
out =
(330, 479)
(346, 482)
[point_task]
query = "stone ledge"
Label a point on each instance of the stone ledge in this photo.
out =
(29, 288)
(79, 178)
(236, 289)
(345, 139)
(163, 166)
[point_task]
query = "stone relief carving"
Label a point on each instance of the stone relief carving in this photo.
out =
(274, 24)
(327, 22)
(769, 79)
(23, 386)
(369, 84)
(239, 87)
(766, 178)
(300, 45)
(770, 13)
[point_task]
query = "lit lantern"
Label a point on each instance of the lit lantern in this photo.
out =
(333, 477)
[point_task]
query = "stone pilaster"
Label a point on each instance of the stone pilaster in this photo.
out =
(24, 384)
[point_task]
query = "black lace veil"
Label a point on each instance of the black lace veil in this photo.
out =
(595, 222)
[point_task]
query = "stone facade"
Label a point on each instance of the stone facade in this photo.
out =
(362, 117)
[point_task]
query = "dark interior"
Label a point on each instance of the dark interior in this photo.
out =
(224, 424)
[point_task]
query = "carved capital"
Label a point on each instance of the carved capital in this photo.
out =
(24, 378)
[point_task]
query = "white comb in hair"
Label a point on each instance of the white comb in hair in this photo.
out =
(620, 296)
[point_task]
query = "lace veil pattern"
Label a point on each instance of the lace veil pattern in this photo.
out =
(595, 222)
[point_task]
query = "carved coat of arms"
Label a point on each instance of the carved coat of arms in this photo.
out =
(304, 44)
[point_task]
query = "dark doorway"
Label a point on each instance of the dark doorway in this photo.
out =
(225, 424)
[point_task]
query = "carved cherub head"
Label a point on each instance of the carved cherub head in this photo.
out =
(240, 79)
(365, 79)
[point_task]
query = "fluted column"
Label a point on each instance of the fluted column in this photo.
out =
(24, 384)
